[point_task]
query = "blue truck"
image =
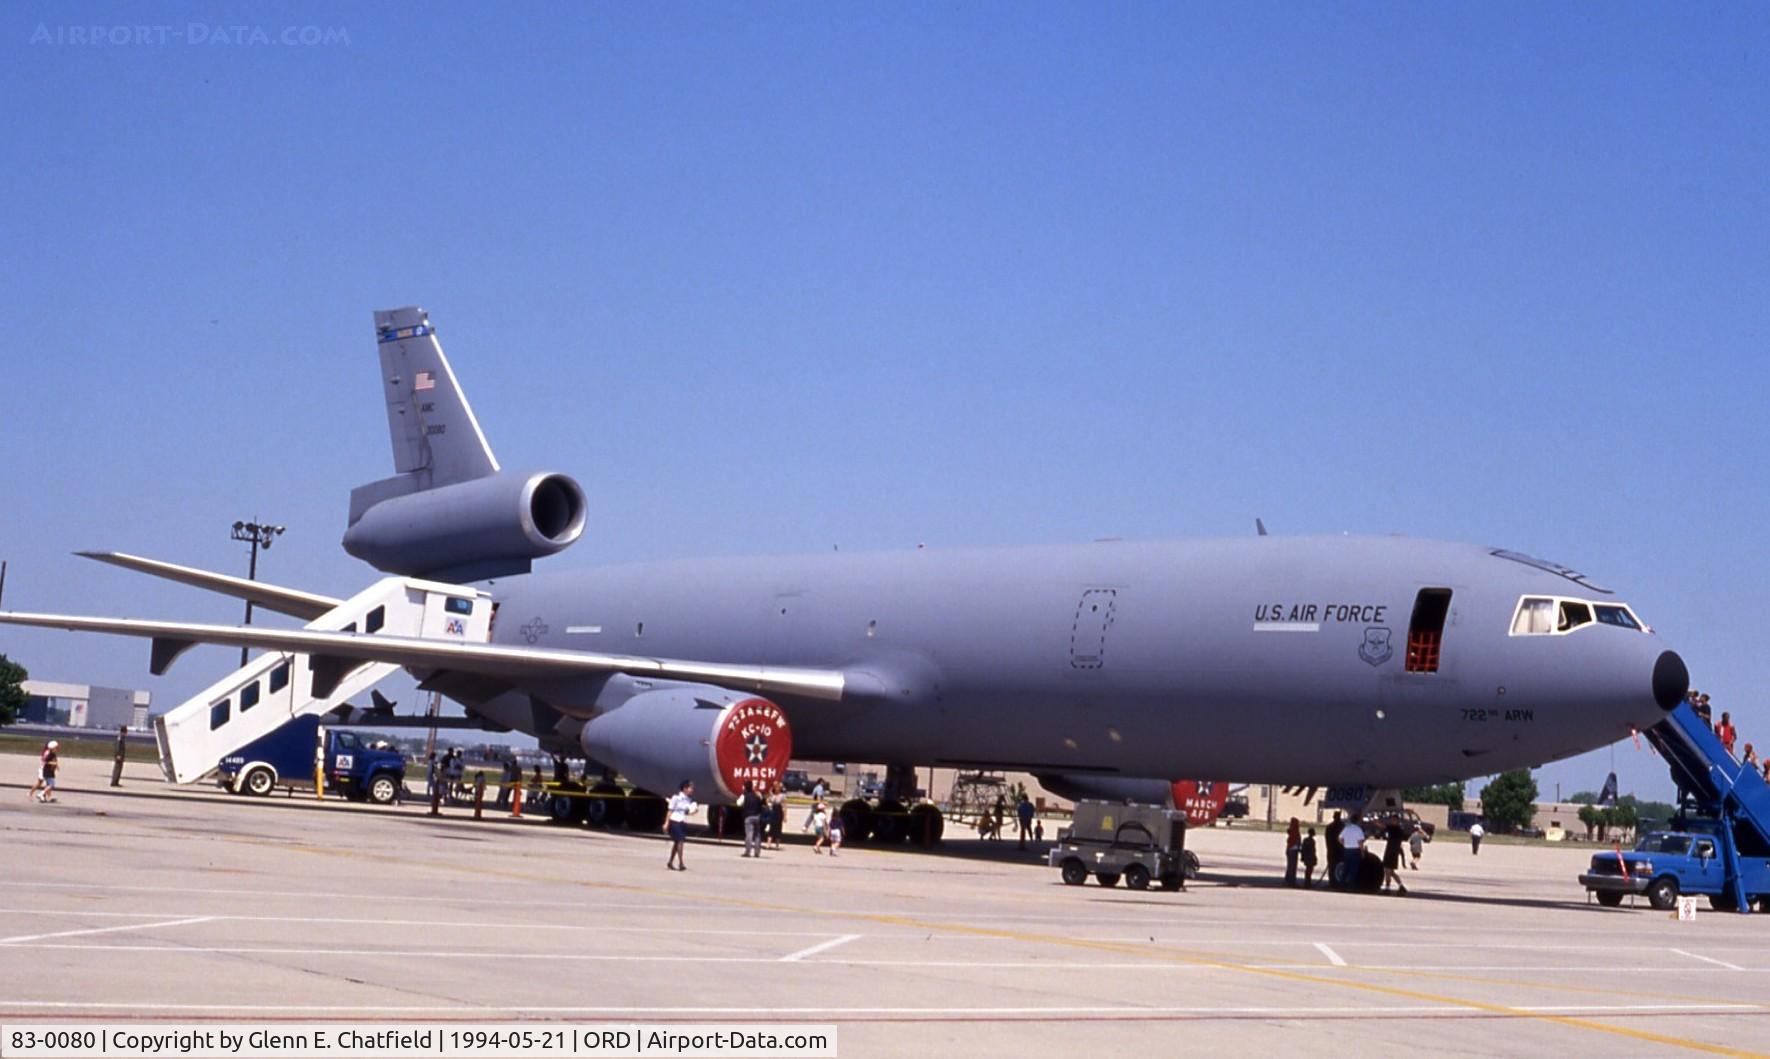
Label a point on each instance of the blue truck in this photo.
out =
(1718, 843)
(1666, 864)
(285, 758)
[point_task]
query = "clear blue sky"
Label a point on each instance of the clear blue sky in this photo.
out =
(769, 278)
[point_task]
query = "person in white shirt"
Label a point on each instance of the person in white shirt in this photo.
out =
(1351, 853)
(682, 806)
(1475, 833)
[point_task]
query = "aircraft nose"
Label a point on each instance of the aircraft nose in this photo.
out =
(1670, 680)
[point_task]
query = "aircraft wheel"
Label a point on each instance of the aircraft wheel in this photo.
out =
(563, 809)
(857, 821)
(1075, 873)
(382, 789)
(1171, 882)
(927, 825)
(606, 806)
(1137, 877)
(645, 811)
(890, 824)
(1662, 893)
(1608, 899)
(1722, 902)
(1108, 878)
(258, 782)
(1190, 861)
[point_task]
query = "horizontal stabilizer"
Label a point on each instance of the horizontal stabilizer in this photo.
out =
(304, 605)
(340, 649)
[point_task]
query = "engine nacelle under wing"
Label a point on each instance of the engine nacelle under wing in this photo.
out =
(716, 738)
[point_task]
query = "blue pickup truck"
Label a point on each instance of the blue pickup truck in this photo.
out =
(285, 758)
(1666, 864)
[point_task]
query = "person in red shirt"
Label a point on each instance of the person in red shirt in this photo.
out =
(1725, 731)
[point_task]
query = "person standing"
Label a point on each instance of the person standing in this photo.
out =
(1416, 844)
(1335, 826)
(1351, 854)
(1476, 831)
(1001, 816)
(777, 815)
(1293, 848)
(752, 808)
(834, 830)
(1393, 837)
(1025, 812)
(507, 775)
(1726, 732)
(820, 825)
(682, 806)
(457, 771)
(1307, 853)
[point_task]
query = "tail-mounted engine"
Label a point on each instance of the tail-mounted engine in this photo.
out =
(487, 527)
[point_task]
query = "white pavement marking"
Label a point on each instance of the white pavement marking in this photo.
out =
(820, 947)
(23, 938)
(1027, 965)
(982, 1013)
(454, 923)
(1333, 957)
(1709, 959)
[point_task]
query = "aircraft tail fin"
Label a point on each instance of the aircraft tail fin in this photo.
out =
(436, 439)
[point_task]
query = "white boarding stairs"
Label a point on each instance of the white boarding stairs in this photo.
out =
(275, 688)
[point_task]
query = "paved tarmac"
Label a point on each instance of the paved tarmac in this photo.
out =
(159, 903)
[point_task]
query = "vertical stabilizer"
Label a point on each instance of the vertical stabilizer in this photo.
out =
(436, 438)
(435, 435)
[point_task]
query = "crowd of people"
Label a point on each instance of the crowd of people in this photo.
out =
(1727, 733)
(1350, 852)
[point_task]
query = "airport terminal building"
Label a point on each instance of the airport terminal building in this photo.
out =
(84, 706)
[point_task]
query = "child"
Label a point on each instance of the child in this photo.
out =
(820, 825)
(1308, 858)
(834, 830)
(1416, 844)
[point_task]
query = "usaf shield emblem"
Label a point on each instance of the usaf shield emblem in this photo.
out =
(1376, 648)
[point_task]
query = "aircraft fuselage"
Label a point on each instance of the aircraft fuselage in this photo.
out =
(1259, 658)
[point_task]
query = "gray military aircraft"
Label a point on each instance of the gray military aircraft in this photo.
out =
(1104, 668)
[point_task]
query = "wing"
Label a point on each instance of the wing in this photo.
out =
(492, 660)
(292, 601)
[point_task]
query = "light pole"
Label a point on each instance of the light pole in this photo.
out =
(259, 535)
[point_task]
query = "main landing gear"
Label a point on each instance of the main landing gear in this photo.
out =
(898, 818)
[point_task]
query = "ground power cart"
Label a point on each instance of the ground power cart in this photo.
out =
(1136, 843)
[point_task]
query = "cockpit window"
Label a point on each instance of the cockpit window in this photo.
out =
(1558, 615)
(1573, 614)
(1618, 616)
(1535, 617)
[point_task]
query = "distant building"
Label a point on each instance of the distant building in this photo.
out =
(84, 706)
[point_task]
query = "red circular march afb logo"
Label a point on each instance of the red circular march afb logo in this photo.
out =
(752, 745)
(1201, 800)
